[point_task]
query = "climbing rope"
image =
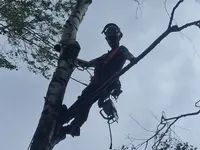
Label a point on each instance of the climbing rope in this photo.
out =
(79, 81)
(110, 115)
(110, 135)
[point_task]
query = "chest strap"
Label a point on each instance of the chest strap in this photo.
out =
(110, 56)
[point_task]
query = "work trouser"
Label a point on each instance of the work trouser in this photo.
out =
(80, 109)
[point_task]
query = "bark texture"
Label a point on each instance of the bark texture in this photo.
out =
(42, 139)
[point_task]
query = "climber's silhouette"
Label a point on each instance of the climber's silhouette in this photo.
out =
(105, 67)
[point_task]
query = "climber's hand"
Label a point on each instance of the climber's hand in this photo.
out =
(81, 64)
(100, 103)
(116, 93)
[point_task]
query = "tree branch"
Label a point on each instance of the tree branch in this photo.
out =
(146, 142)
(181, 116)
(156, 144)
(194, 23)
(173, 11)
(164, 122)
(141, 125)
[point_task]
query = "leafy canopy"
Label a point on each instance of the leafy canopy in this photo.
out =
(32, 28)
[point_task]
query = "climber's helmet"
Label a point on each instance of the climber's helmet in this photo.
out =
(113, 34)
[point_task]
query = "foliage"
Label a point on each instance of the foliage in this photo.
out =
(32, 28)
(175, 144)
(6, 64)
(168, 144)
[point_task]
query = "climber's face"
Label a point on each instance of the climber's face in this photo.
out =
(113, 41)
(112, 37)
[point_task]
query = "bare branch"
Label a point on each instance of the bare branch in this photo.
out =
(139, 5)
(156, 144)
(165, 7)
(140, 125)
(194, 23)
(173, 11)
(181, 116)
(157, 132)
(197, 104)
(165, 127)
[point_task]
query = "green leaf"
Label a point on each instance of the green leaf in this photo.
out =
(32, 28)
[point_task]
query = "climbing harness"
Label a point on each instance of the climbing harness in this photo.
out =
(109, 113)
(111, 55)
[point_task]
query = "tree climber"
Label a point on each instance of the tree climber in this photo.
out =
(105, 67)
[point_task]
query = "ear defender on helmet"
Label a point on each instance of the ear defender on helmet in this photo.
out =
(112, 29)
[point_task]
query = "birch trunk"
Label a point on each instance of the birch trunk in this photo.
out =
(56, 90)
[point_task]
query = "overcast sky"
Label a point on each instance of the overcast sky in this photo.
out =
(166, 80)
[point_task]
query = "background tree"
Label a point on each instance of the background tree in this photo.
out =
(32, 28)
(169, 144)
(164, 137)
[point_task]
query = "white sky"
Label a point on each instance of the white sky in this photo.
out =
(166, 80)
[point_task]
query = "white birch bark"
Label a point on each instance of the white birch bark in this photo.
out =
(56, 90)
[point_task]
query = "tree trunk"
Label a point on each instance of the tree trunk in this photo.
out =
(56, 90)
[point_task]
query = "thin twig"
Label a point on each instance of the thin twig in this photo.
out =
(196, 23)
(138, 6)
(157, 132)
(173, 11)
(181, 116)
(162, 135)
(165, 7)
(195, 50)
(141, 125)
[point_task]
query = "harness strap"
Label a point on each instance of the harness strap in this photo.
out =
(97, 77)
(111, 55)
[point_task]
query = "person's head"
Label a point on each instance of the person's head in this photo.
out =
(112, 35)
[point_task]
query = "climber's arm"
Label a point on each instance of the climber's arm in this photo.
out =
(128, 55)
(91, 63)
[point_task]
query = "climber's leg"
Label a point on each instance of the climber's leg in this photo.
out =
(79, 111)
(85, 97)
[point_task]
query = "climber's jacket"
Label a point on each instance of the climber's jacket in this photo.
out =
(109, 64)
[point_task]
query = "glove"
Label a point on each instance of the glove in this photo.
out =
(82, 63)
(100, 102)
(116, 93)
